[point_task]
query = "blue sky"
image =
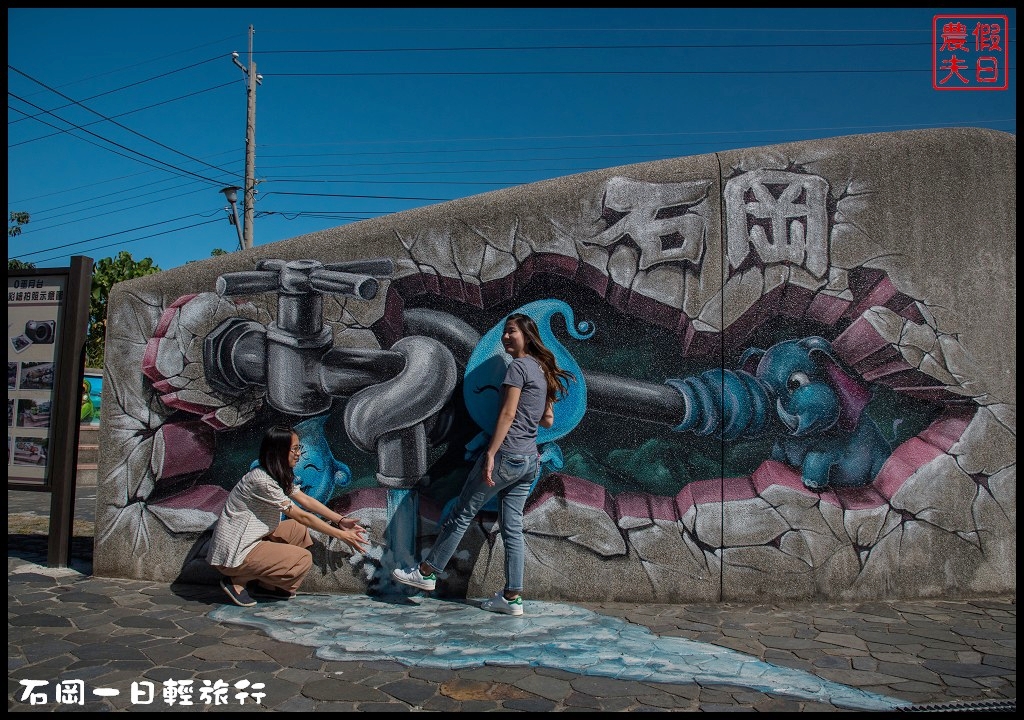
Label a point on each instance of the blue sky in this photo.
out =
(123, 125)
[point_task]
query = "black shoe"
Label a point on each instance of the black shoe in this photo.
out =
(242, 599)
(257, 590)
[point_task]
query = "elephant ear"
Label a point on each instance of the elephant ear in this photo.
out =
(853, 395)
(750, 359)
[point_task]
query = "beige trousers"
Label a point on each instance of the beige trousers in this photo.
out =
(281, 560)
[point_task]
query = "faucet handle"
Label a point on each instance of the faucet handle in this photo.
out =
(353, 278)
(271, 264)
(248, 282)
(344, 283)
(377, 267)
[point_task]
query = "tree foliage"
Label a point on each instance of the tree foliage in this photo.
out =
(105, 273)
(16, 264)
(18, 219)
(216, 252)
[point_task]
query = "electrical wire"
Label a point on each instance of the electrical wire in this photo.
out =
(292, 215)
(123, 127)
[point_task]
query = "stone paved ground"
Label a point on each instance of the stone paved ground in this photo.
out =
(66, 624)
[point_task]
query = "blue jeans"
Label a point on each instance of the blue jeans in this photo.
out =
(513, 475)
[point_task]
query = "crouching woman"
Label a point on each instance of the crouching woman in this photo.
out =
(252, 546)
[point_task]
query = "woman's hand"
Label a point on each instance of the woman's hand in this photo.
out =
(354, 536)
(345, 529)
(488, 468)
(347, 523)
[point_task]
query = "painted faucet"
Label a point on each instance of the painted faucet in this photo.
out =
(395, 395)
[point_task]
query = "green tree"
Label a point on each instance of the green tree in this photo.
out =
(105, 273)
(15, 264)
(216, 252)
(19, 219)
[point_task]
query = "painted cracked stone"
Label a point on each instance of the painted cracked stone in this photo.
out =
(751, 404)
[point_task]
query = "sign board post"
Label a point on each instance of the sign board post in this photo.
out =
(47, 322)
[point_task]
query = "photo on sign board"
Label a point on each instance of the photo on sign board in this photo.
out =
(30, 451)
(20, 342)
(37, 376)
(33, 413)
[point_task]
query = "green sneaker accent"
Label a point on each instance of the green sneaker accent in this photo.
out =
(412, 576)
(498, 604)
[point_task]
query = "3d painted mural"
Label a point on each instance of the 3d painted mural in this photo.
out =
(92, 397)
(786, 385)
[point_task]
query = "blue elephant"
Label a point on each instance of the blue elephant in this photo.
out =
(797, 388)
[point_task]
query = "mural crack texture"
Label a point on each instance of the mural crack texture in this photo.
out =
(792, 382)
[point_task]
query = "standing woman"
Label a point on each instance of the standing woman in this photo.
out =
(533, 381)
(251, 544)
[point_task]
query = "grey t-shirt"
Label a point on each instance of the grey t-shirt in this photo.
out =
(525, 373)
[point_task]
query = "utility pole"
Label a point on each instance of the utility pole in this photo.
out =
(249, 195)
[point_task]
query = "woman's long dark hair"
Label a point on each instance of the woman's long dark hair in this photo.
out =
(274, 450)
(558, 379)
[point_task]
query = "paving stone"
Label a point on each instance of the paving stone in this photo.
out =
(582, 700)
(440, 703)
(296, 703)
(228, 653)
(382, 707)
(40, 620)
(607, 687)
(438, 675)
(964, 670)
(548, 687)
(411, 691)
(333, 689)
(842, 640)
(111, 632)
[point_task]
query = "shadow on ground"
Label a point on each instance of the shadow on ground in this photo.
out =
(34, 547)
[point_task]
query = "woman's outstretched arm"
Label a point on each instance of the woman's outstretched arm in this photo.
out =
(354, 537)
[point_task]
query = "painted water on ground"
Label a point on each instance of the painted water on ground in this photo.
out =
(429, 632)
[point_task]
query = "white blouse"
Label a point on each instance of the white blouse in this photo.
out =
(252, 511)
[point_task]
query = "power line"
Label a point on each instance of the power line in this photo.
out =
(146, 62)
(109, 235)
(590, 30)
(27, 231)
(375, 197)
(166, 166)
(127, 112)
(548, 73)
(123, 127)
(129, 85)
(517, 48)
(92, 184)
(701, 133)
(116, 244)
(284, 181)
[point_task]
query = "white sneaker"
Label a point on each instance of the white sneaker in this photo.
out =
(412, 576)
(498, 604)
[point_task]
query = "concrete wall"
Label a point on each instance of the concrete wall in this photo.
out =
(796, 378)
